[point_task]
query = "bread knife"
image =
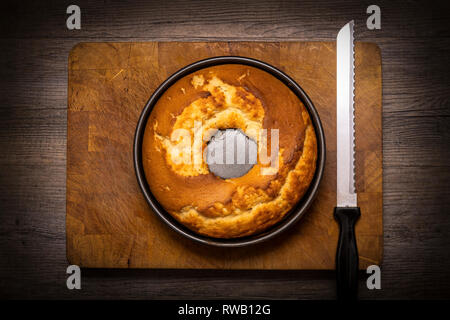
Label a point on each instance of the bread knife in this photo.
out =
(346, 211)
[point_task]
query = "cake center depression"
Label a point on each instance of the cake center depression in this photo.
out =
(230, 153)
(224, 106)
(198, 107)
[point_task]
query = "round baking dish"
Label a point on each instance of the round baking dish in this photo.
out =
(292, 217)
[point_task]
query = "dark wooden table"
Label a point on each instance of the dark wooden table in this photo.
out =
(415, 45)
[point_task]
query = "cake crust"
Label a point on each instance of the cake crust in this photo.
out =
(221, 97)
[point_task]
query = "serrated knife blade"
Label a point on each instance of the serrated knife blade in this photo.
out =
(346, 211)
(346, 196)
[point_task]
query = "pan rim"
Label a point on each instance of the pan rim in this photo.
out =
(292, 217)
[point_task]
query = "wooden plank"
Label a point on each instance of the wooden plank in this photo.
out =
(108, 223)
(180, 19)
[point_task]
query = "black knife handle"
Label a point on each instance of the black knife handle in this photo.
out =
(347, 253)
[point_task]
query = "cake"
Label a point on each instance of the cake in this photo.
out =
(183, 121)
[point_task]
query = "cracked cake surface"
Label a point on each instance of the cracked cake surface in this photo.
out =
(190, 112)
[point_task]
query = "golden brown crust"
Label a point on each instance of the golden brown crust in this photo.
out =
(228, 96)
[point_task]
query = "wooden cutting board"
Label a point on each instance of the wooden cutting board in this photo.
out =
(108, 222)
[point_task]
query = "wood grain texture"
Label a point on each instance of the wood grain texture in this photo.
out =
(415, 48)
(109, 224)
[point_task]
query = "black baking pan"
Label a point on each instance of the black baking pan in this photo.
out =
(290, 218)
